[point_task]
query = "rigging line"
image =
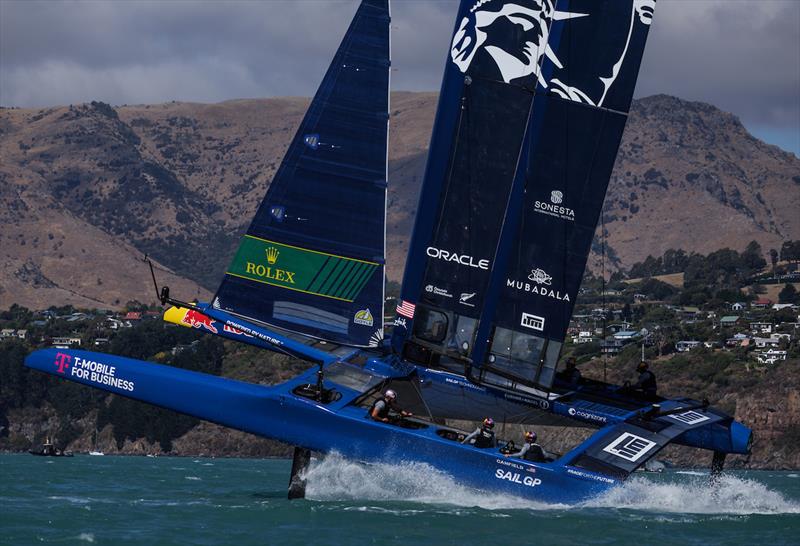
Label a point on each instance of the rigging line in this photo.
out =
(603, 286)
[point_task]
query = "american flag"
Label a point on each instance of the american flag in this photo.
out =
(406, 309)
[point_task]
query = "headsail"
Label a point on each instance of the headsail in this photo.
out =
(312, 260)
(588, 61)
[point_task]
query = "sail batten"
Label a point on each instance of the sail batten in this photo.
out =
(312, 260)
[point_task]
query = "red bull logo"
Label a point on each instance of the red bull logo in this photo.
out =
(196, 319)
(62, 362)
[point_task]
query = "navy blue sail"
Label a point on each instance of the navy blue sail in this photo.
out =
(480, 127)
(496, 261)
(575, 130)
(312, 260)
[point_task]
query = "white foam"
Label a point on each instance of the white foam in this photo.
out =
(337, 479)
(730, 495)
(86, 537)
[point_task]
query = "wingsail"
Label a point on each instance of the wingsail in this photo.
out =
(312, 260)
(496, 264)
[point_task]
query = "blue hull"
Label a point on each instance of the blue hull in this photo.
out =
(340, 426)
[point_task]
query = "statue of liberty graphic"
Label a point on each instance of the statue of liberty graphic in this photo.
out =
(515, 35)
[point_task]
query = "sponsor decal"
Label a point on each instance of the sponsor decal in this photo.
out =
(461, 259)
(534, 322)
(554, 207)
(364, 318)
(62, 362)
(196, 319)
(254, 333)
(540, 276)
(582, 414)
(376, 338)
(481, 33)
(690, 417)
(540, 290)
(596, 477)
(535, 402)
(234, 331)
(400, 322)
(629, 447)
(516, 477)
(436, 291)
(216, 304)
(90, 370)
(301, 269)
(406, 309)
(464, 384)
(312, 141)
(465, 297)
(506, 462)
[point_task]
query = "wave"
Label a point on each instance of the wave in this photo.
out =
(337, 479)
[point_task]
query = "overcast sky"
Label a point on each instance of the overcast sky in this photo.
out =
(741, 55)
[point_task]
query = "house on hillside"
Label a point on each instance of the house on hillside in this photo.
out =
(611, 346)
(738, 306)
(761, 327)
(22, 334)
(738, 340)
(132, 316)
(7, 333)
(627, 336)
(729, 320)
(583, 336)
(66, 342)
(761, 303)
(685, 346)
(689, 313)
(766, 342)
(771, 356)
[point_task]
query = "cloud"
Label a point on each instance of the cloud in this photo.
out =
(741, 56)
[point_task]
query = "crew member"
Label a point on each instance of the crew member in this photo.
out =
(483, 435)
(571, 373)
(382, 406)
(531, 451)
(646, 385)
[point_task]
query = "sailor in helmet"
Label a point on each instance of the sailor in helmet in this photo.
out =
(646, 385)
(531, 451)
(382, 406)
(483, 436)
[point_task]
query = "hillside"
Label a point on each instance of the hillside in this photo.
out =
(86, 189)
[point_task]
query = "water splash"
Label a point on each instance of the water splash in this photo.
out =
(337, 479)
(731, 495)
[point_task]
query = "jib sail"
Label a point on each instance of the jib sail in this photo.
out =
(530, 265)
(312, 260)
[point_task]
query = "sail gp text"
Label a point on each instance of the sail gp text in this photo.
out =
(516, 477)
(99, 373)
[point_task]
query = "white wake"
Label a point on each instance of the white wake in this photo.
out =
(337, 479)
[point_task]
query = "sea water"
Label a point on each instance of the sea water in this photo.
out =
(169, 500)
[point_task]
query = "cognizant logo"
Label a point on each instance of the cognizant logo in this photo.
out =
(461, 259)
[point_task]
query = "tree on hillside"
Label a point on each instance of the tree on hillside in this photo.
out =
(753, 257)
(788, 294)
(790, 251)
(773, 257)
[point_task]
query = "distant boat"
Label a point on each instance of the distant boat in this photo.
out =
(49, 449)
(531, 113)
(97, 453)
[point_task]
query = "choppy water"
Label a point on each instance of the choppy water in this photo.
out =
(138, 500)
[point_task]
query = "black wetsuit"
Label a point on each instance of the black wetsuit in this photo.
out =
(383, 408)
(484, 437)
(646, 384)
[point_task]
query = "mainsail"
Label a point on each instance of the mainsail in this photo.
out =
(494, 274)
(312, 260)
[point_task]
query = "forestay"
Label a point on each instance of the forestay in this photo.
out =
(312, 260)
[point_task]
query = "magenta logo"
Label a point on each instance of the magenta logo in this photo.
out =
(62, 361)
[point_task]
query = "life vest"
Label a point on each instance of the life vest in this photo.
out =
(383, 412)
(485, 438)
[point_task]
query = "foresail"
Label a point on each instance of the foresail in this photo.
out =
(312, 260)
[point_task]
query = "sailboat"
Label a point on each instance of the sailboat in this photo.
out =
(533, 103)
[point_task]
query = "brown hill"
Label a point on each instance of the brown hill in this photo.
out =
(84, 190)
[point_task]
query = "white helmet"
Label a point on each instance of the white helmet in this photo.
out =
(390, 394)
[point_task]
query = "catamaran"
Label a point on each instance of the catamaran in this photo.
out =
(532, 107)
